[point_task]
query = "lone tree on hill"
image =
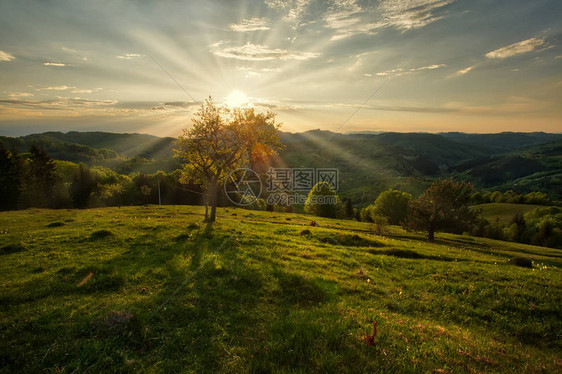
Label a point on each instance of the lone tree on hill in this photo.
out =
(323, 201)
(217, 145)
(443, 206)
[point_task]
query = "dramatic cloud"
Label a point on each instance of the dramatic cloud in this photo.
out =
(256, 52)
(5, 56)
(251, 24)
(515, 49)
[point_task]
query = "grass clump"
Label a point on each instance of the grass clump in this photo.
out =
(13, 248)
(346, 240)
(522, 262)
(100, 234)
(55, 224)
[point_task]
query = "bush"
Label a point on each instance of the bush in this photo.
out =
(393, 205)
(323, 201)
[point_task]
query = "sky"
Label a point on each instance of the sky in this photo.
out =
(478, 66)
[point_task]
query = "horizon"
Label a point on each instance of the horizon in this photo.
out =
(428, 66)
(299, 132)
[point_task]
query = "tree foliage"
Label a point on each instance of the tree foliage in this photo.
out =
(393, 205)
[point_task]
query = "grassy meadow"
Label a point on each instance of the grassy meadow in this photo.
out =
(503, 212)
(152, 289)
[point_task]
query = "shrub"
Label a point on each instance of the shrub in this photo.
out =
(323, 201)
(393, 205)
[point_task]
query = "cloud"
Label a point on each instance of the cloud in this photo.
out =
(515, 49)
(129, 56)
(510, 105)
(66, 88)
(57, 64)
(20, 94)
(402, 71)
(410, 14)
(347, 18)
(414, 109)
(60, 103)
(254, 73)
(295, 9)
(55, 88)
(464, 71)
(5, 56)
(257, 52)
(251, 24)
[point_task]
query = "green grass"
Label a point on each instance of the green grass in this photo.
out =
(153, 289)
(504, 212)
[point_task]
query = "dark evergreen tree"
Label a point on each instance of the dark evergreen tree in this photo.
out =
(83, 184)
(349, 208)
(38, 179)
(9, 179)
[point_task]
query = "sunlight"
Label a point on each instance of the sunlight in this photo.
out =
(236, 99)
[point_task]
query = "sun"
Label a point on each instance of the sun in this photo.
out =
(236, 99)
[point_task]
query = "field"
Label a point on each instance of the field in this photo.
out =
(504, 212)
(153, 289)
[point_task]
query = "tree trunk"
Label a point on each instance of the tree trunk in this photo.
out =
(431, 235)
(213, 197)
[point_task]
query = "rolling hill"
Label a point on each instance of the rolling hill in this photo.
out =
(368, 163)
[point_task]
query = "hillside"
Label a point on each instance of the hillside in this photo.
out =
(103, 144)
(150, 289)
(368, 163)
(502, 142)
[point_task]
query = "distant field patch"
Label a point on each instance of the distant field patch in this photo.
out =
(504, 212)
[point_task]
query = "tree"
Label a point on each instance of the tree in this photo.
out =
(323, 201)
(145, 192)
(393, 205)
(215, 146)
(443, 206)
(9, 179)
(38, 179)
(82, 186)
(349, 213)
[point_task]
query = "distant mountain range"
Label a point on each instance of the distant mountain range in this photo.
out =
(368, 162)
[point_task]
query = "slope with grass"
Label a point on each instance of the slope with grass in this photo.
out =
(153, 289)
